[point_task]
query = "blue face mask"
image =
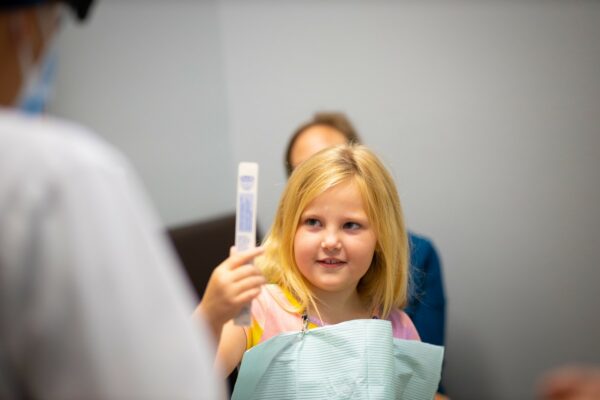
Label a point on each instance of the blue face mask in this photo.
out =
(38, 77)
(38, 83)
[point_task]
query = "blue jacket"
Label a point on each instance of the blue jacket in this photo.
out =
(427, 303)
(426, 299)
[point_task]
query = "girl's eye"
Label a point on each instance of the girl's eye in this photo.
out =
(312, 222)
(352, 225)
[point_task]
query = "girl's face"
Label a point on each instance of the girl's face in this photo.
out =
(334, 242)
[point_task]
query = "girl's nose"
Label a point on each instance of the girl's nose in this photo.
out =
(331, 242)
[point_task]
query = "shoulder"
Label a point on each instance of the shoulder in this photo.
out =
(423, 254)
(44, 145)
(271, 300)
(419, 243)
(267, 296)
(47, 162)
(402, 326)
(272, 313)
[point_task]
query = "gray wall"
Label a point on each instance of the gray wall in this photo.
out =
(149, 77)
(487, 112)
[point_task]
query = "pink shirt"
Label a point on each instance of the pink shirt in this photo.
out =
(273, 312)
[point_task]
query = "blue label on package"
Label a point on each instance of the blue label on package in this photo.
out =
(247, 182)
(245, 214)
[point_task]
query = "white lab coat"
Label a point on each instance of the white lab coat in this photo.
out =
(93, 304)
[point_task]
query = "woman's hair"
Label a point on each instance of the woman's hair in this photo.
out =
(335, 120)
(384, 286)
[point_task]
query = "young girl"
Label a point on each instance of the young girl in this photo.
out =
(337, 251)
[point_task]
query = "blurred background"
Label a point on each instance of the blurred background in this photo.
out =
(486, 112)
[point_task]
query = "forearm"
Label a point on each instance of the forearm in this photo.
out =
(214, 324)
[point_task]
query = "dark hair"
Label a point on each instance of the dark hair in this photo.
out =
(335, 120)
(79, 7)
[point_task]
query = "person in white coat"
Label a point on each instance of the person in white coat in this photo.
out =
(93, 303)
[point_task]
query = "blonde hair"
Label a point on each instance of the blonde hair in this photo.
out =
(384, 286)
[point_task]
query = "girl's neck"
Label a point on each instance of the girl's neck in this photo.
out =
(339, 307)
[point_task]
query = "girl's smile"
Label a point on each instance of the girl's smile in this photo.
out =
(331, 262)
